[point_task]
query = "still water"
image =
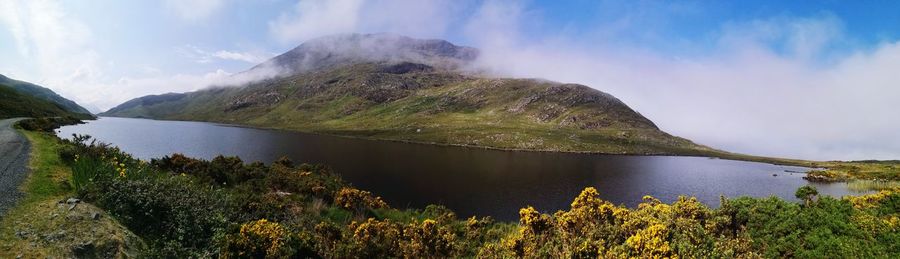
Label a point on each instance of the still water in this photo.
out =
(470, 181)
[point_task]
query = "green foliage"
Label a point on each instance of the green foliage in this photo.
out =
(743, 227)
(173, 214)
(85, 170)
(258, 239)
(187, 207)
(806, 193)
(879, 174)
(358, 200)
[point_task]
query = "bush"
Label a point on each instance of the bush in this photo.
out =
(47, 124)
(258, 239)
(170, 212)
(358, 200)
(428, 240)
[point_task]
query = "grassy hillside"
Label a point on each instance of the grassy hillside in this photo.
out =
(44, 94)
(416, 102)
(14, 103)
(40, 226)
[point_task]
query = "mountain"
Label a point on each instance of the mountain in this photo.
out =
(43, 93)
(385, 86)
(14, 103)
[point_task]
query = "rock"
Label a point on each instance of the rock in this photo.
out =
(71, 207)
(83, 249)
(73, 201)
(74, 217)
(95, 216)
(55, 236)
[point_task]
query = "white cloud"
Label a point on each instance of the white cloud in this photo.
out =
(315, 18)
(62, 51)
(203, 56)
(126, 88)
(10, 16)
(194, 10)
(58, 45)
(748, 97)
(245, 57)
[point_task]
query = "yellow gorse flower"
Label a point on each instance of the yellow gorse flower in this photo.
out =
(262, 234)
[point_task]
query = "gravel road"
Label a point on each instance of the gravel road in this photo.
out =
(14, 152)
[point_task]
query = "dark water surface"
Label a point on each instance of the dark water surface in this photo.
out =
(469, 181)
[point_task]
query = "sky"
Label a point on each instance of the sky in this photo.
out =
(801, 79)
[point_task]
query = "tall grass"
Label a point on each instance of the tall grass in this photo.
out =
(85, 170)
(97, 161)
(872, 185)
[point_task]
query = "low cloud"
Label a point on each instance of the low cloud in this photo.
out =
(744, 96)
(203, 56)
(314, 18)
(245, 57)
(126, 88)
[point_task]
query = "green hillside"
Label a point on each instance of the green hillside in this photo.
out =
(43, 93)
(428, 106)
(17, 104)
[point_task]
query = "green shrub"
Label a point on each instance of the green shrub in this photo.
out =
(171, 212)
(47, 124)
(258, 239)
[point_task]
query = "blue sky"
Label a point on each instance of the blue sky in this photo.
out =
(746, 76)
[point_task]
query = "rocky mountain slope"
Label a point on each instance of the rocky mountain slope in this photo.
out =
(392, 87)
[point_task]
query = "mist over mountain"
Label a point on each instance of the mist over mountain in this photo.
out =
(340, 49)
(386, 86)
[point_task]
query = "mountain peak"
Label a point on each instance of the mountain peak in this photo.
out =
(341, 49)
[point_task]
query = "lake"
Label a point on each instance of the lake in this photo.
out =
(471, 181)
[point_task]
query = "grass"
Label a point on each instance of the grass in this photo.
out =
(49, 175)
(41, 218)
(870, 185)
(875, 174)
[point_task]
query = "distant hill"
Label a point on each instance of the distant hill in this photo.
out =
(14, 103)
(43, 93)
(386, 86)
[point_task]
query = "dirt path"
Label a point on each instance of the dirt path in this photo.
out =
(14, 152)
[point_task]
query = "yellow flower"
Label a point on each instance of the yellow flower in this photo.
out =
(264, 235)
